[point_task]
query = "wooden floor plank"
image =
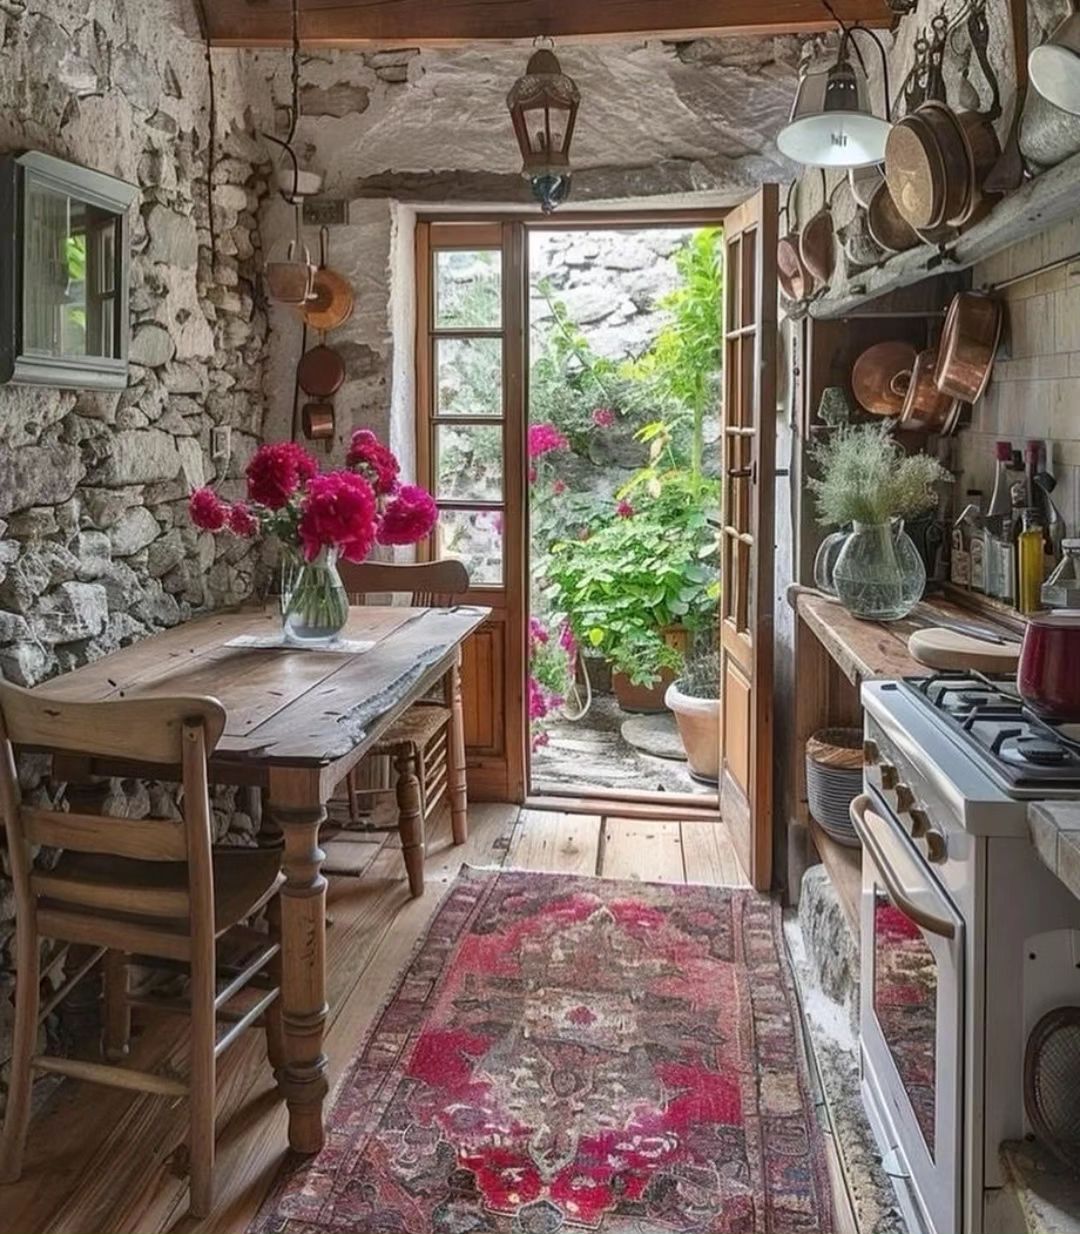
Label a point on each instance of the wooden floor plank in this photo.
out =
(646, 849)
(560, 843)
(709, 855)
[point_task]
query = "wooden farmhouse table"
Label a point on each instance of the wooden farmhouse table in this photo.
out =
(298, 720)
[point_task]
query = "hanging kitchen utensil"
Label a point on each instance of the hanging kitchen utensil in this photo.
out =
(331, 301)
(864, 183)
(968, 344)
(915, 171)
(978, 29)
(887, 225)
(817, 243)
(1007, 174)
(290, 281)
(1048, 135)
(935, 81)
(796, 282)
(318, 421)
(321, 371)
(880, 377)
(925, 408)
(1052, 1083)
(860, 247)
(914, 87)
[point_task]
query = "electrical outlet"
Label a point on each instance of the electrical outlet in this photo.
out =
(220, 442)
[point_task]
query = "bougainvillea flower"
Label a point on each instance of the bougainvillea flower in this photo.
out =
(376, 463)
(624, 509)
(207, 511)
(603, 417)
(537, 630)
(276, 471)
(409, 517)
(338, 512)
(559, 487)
(543, 438)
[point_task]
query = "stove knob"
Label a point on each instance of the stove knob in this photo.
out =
(890, 777)
(870, 751)
(936, 847)
(905, 799)
(920, 824)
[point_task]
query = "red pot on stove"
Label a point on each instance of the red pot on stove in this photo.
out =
(1048, 676)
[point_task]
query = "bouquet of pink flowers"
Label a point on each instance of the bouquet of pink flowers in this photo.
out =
(319, 517)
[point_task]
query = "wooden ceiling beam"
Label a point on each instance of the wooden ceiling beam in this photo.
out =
(419, 23)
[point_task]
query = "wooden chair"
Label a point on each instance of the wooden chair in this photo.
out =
(150, 888)
(427, 750)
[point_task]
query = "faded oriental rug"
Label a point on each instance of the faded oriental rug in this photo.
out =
(567, 1054)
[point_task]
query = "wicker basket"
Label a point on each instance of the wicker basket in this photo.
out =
(834, 778)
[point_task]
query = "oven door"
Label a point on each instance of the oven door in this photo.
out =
(912, 1009)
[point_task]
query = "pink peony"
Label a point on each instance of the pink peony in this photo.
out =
(409, 517)
(207, 511)
(543, 438)
(277, 471)
(242, 522)
(624, 509)
(338, 511)
(603, 417)
(375, 462)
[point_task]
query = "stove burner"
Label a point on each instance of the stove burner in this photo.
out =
(1041, 751)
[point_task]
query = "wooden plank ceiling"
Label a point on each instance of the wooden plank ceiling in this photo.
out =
(414, 23)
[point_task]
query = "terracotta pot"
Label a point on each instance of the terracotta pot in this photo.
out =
(699, 727)
(641, 699)
(1048, 676)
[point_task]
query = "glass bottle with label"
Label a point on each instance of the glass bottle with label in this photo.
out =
(995, 522)
(1030, 562)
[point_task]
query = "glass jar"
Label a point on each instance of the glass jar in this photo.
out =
(1062, 588)
(317, 605)
(879, 575)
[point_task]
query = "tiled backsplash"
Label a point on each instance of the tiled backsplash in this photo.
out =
(1035, 390)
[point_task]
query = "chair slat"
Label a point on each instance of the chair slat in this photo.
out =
(76, 927)
(156, 839)
(114, 1077)
(145, 901)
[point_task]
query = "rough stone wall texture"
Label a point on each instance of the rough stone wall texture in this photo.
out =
(95, 546)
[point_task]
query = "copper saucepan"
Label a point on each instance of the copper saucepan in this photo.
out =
(817, 244)
(925, 408)
(881, 375)
(888, 227)
(796, 282)
(968, 344)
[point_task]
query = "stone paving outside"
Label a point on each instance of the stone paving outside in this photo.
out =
(592, 753)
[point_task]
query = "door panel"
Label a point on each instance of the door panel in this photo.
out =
(748, 445)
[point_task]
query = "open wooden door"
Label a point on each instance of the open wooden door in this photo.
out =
(748, 443)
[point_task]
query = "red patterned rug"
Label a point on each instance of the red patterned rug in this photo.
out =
(566, 1054)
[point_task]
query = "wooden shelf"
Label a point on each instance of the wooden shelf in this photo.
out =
(844, 867)
(1040, 203)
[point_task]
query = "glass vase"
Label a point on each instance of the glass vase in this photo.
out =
(879, 575)
(825, 561)
(315, 605)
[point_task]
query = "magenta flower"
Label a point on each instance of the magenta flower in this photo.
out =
(532, 475)
(242, 522)
(543, 438)
(624, 509)
(377, 464)
(559, 487)
(567, 641)
(207, 511)
(603, 417)
(409, 517)
(338, 511)
(538, 703)
(537, 631)
(539, 740)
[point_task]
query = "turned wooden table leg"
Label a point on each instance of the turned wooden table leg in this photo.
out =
(297, 808)
(410, 817)
(459, 810)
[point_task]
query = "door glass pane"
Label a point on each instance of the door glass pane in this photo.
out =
(475, 538)
(469, 462)
(468, 376)
(905, 1006)
(468, 289)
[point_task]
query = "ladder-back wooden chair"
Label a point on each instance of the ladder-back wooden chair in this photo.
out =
(427, 751)
(143, 890)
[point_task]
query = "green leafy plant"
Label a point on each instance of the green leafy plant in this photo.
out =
(866, 477)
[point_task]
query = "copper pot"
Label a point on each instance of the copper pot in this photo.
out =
(915, 171)
(925, 408)
(796, 281)
(881, 375)
(817, 245)
(890, 230)
(968, 344)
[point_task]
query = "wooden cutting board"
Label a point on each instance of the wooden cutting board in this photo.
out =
(939, 648)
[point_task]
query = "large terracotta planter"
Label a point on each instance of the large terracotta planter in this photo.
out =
(699, 727)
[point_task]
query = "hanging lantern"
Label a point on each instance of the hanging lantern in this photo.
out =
(543, 106)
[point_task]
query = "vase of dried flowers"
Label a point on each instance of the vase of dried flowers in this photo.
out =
(319, 518)
(867, 480)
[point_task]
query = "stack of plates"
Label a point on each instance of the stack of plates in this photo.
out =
(833, 780)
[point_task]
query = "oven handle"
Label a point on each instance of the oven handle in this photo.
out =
(861, 814)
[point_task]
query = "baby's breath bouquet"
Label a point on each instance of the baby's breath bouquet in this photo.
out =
(864, 476)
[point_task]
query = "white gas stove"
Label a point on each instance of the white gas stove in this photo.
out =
(967, 938)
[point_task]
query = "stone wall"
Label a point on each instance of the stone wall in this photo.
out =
(95, 546)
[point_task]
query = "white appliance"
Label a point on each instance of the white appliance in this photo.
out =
(967, 938)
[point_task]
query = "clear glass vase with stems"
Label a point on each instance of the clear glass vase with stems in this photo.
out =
(878, 574)
(314, 603)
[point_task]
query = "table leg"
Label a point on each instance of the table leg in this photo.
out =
(410, 817)
(455, 772)
(296, 806)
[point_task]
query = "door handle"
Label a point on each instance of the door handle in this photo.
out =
(861, 815)
(739, 473)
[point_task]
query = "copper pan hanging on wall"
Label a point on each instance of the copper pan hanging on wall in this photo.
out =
(881, 375)
(968, 344)
(796, 282)
(331, 301)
